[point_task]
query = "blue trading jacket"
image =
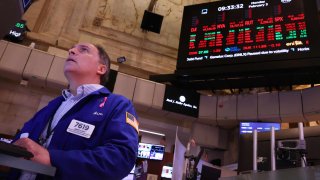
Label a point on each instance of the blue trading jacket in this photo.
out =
(109, 153)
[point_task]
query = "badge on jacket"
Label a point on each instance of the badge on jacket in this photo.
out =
(130, 119)
(80, 128)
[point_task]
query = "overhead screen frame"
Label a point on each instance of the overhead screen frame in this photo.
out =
(182, 101)
(13, 9)
(250, 63)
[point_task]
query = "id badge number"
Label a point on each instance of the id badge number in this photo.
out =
(80, 128)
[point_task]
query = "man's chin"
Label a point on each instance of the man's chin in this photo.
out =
(68, 72)
(69, 68)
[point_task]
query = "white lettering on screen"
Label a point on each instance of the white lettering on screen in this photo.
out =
(178, 102)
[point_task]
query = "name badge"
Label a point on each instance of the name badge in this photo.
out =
(80, 128)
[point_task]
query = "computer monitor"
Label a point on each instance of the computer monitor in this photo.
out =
(151, 151)
(166, 172)
(157, 152)
(144, 150)
(210, 173)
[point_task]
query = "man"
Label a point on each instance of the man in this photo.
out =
(88, 132)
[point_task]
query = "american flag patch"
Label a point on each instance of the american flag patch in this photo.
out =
(130, 119)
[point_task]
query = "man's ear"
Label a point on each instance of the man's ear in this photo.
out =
(102, 69)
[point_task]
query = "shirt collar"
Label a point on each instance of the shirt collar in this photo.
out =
(82, 91)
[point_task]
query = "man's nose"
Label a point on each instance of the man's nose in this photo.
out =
(72, 51)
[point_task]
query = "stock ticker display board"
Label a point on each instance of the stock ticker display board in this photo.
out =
(227, 32)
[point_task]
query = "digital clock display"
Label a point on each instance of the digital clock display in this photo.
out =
(230, 7)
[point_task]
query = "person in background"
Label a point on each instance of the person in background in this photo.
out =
(193, 149)
(193, 155)
(87, 132)
(163, 141)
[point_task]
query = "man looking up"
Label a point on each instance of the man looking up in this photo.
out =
(87, 132)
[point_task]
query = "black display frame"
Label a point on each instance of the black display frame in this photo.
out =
(172, 101)
(255, 63)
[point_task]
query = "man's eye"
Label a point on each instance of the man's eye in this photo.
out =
(84, 50)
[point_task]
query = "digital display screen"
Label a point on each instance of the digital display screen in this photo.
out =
(234, 31)
(26, 4)
(181, 101)
(151, 151)
(166, 172)
(17, 33)
(248, 127)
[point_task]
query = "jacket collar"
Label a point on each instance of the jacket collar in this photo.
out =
(103, 90)
(54, 104)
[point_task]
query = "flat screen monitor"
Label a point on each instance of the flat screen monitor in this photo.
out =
(210, 173)
(151, 151)
(166, 172)
(239, 32)
(181, 101)
(248, 127)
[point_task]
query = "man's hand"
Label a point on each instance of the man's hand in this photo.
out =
(41, 155)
